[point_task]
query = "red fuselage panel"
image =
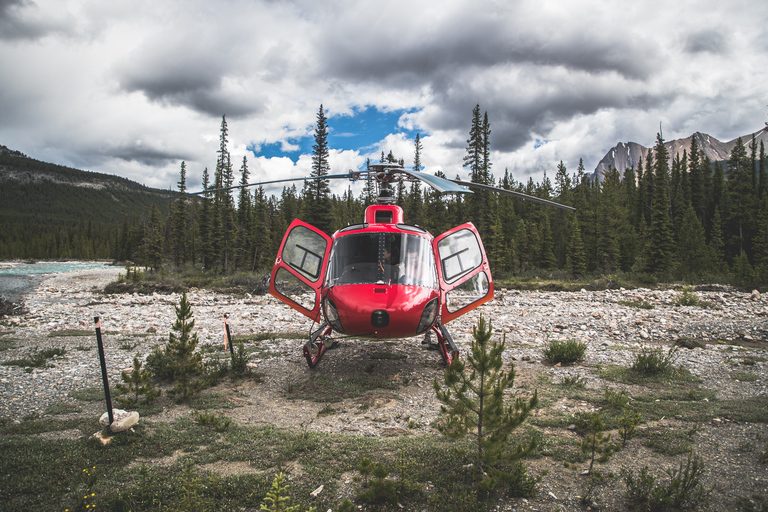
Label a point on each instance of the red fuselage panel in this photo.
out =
(404, 305)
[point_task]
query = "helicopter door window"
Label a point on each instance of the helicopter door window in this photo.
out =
(303, 251)
(468, 292)
(460, 254)
(295, 289)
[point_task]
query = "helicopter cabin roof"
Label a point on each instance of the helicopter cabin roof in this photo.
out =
(386, 218)
(384, 214)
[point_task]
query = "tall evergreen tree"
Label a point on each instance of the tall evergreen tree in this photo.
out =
(692, 252)
(180, 217)
(760, 244)
(660, 246)
(740, 198)
(575, 258)
(762, 173)
(317, 192)
(245, 231)
(154, 237)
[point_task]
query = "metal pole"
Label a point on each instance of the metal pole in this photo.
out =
(229, 335)
(97, 320)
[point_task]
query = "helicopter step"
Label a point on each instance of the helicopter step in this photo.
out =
(314, 349)
(445, 344)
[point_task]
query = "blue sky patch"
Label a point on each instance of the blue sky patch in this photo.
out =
(360, 131)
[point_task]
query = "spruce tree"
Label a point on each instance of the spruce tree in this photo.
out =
(760, 244)
(180, 219)
(245, 232)
(575, 258)
(473, 403)
(317, 192)
(692, 246)
(154, 238)
(740, 198)
(660, 246)
(186, 365)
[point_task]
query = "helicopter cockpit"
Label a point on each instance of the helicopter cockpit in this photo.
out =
(382, 258)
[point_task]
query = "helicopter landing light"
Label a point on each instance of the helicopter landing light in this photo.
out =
(380, 318)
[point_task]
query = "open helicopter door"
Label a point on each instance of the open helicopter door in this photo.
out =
(465, 276)
(297, 277)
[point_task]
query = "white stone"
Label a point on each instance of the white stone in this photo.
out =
(122, 420)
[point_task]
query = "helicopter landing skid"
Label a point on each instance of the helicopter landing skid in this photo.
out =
(448, 349)
(314, 350)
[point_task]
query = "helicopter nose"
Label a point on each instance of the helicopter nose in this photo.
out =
(379, 319)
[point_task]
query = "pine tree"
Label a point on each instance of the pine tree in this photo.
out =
(138, 382)
(207, 234)
(317, 192)
(474, 403)
(575, 258)
(660, 246)
(154, 239)
(740, 198)
(180, 218)
(760, 244)
(180, 349)
(245, 232)
(762, 173)
(692, 245)
(716, 244)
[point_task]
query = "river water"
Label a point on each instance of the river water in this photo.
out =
(19, 279)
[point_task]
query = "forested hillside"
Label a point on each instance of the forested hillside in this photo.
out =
(692, 219)
(48, 211)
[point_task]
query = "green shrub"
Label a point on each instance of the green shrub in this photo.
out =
(686, 298)
(684, 490)
(564, 352)
(651, 362)
(239, 362)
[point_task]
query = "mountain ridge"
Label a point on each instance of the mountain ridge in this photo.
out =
(625, 155)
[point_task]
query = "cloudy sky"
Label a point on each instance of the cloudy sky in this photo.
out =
(132, 88)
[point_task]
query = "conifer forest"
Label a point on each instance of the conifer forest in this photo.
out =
(685, 218)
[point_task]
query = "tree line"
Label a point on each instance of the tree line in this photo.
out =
(685, 218)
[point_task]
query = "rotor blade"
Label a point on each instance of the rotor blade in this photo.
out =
(307, 178)
(442, 185)
(514, 193)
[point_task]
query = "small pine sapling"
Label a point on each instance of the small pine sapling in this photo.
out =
(627, 423)
(278, 498)
(187, 365)
(139, 383)
(596, 444)
(473, 403)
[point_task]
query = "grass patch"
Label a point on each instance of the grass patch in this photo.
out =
(636, 304)
(268, 336)
(688, 342)
(666, 441)
(37, 359)
(320, 388)
(7, 344)
(213, 401)
(43, 473)
(388, 355)
(679, 376)
(63, 333)
(62, 408)
(93, 394)
(745, 376)
(753, 360)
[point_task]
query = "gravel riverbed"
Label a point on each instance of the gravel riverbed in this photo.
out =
(733, 328)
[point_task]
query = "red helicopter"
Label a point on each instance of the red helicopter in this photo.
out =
(385, 278)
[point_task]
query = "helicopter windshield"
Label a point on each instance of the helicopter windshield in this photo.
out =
(383, 258)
